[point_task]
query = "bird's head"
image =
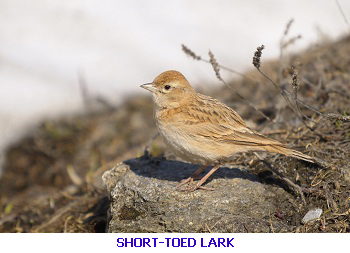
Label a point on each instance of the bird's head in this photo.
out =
(170, 89)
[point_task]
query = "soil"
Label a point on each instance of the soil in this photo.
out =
(52, 177)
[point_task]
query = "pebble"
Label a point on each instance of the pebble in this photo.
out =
(312, 215)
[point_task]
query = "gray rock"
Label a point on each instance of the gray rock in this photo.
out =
(143, 198)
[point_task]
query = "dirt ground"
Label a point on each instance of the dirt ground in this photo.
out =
(52, 178)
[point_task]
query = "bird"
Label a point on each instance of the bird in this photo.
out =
(202, 130)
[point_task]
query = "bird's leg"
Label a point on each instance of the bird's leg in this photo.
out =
(192, 177)
(199, 184)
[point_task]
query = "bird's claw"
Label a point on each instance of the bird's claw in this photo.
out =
(188, 180)
(191, 188)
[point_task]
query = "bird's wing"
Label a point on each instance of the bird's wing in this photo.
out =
(214, 120)
(212, 110)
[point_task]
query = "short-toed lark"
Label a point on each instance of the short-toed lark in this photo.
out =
(202, 130)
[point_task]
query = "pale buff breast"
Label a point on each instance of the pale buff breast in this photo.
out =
(193, 149)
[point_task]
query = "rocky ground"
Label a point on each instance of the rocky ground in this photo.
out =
(52, 180)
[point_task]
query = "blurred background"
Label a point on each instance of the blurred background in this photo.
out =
(114, 46)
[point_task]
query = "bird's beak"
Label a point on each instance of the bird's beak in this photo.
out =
(149, 86)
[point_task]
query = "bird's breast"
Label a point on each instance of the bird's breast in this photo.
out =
(182, 142)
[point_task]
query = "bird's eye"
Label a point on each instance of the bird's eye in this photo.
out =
(167, 87)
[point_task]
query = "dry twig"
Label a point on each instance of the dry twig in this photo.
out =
(216, 68)
(257, 64)
(295, 86)
(296, 187)
(192, 54)
(284, 92)
(333, 117)
(343, 14)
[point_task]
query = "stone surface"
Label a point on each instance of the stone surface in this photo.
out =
(143, 198)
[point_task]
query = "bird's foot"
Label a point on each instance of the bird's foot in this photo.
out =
(184, 181)
(191, 188)
(188, 180)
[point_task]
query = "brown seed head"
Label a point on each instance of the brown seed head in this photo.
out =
(257, 56)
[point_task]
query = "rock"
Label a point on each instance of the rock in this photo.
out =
(312, 215)
(143, 198)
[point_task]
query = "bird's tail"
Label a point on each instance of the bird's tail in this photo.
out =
(290, 152)
(302, 156)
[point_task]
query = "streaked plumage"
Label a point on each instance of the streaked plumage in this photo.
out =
(202, 130)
